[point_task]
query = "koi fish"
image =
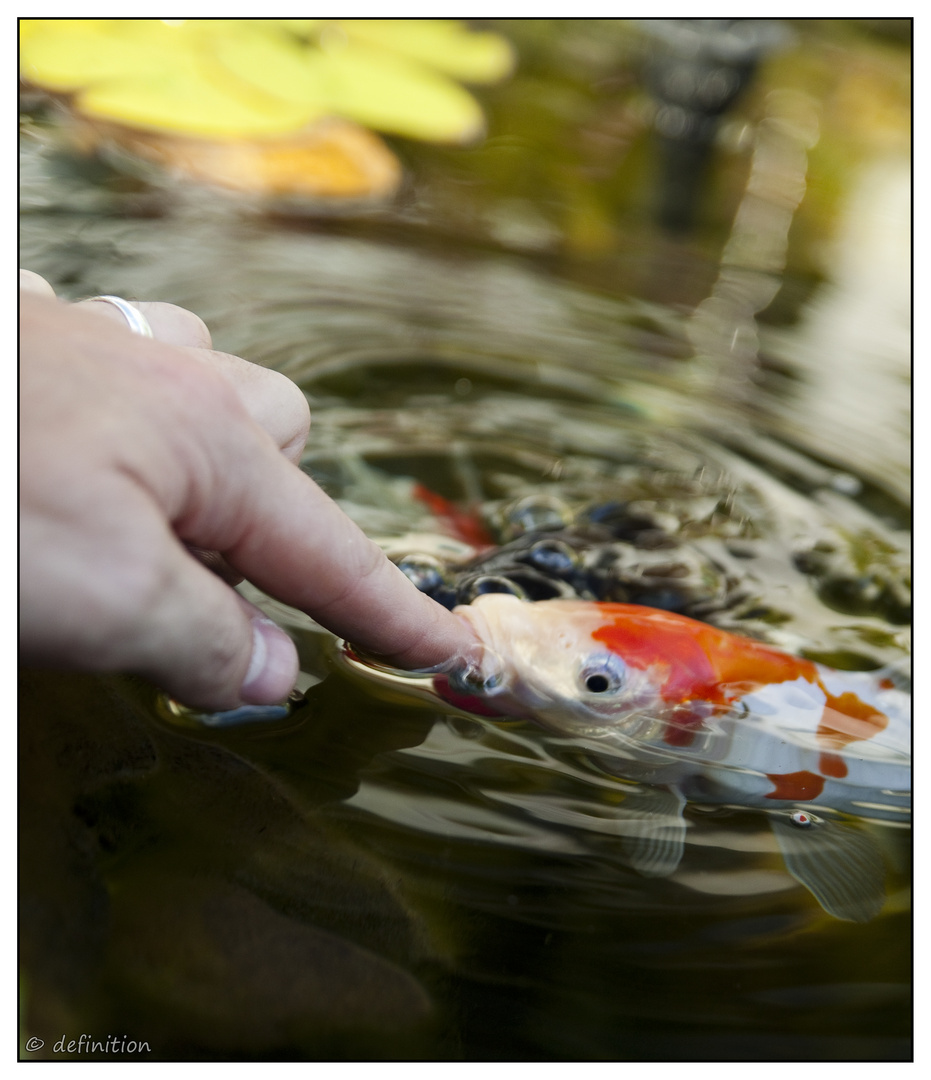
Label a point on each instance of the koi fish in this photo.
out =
(706, 716)
(385, 505)
(460, 524)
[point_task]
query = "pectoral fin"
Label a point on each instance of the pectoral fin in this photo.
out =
(648, 824)
(838, 863)
(654, 837)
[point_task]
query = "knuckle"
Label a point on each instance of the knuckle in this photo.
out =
(175, 325)
(200, 389)
(294, 413)
(275, 402)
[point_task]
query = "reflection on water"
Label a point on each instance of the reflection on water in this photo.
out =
(723, 327)
(375, 878)
(853, 340)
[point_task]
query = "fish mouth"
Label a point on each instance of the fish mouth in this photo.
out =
(480, 684)
(495, 687)
(472, 682)
(456, 692)
(483, 666)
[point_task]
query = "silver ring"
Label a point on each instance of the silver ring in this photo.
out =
(138, 323)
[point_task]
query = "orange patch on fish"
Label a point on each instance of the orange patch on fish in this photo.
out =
(684, 725)
(460, 524)
(667, 644)
(847, 719)
(698, 662)
(832, 765)
(797, 786)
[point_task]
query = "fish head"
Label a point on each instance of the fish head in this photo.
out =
(540, 660)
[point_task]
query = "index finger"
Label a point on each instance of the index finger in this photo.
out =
(290, 539)
(329, 568)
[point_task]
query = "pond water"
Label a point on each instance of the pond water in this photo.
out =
(377, 878)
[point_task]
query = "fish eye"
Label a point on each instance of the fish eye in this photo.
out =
(597, 683)
(603, 674)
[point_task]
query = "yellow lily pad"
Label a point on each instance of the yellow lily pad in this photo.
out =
(68, 54)
(345, 78)
(232, 78)
(396, 95)
(276, 64)
(193, 101)
(444, 44)
(303, 27)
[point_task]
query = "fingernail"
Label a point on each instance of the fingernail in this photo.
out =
(274, 666)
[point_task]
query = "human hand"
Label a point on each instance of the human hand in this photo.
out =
(130, 450)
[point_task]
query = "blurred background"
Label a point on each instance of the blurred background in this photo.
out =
(753, 175)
